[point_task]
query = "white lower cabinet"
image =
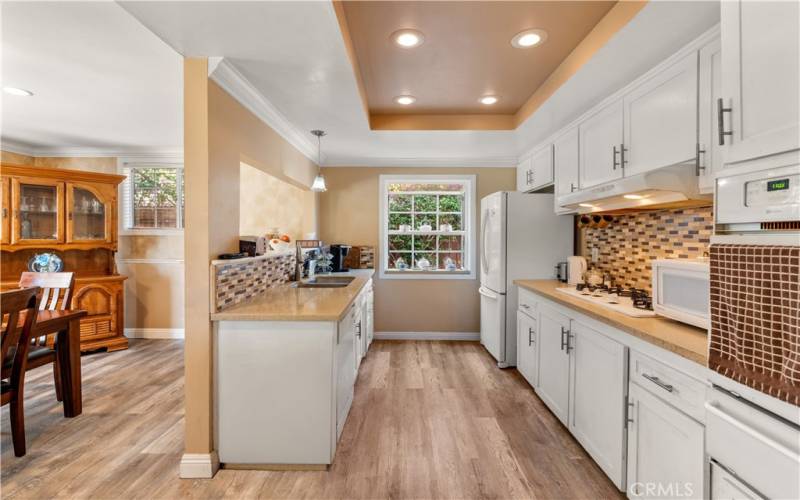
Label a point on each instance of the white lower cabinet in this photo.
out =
(553, 378)
(665, 449)
(527, 349)
(345, 374)
(597, 397)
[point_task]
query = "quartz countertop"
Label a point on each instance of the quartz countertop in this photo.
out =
(287, 303)
(682, 339)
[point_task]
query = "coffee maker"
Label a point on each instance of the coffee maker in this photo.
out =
(339, 253)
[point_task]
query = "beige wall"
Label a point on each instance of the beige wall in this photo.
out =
(153, 264)
(267, 202)
(349, 213)
(219, 134)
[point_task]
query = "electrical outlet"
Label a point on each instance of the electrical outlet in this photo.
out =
(595, 254)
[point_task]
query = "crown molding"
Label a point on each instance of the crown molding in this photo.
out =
(228, 77)
(85, 152)
(441, 162)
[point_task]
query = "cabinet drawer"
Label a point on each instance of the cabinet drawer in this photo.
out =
(675, 387)
(528, 303)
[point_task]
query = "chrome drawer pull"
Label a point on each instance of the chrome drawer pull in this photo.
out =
(658, 382)
(530, 338)
(526, 306)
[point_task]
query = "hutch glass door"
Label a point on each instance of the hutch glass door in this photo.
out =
(87, 217)
(37, 218)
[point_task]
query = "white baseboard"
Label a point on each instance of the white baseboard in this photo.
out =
(428, 336)
(199, 465)
(154, 333)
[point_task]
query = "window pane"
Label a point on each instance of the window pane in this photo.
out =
(450, 243)
(455, 257)
(394, 260)
(396, 220)
(421, 220)
(399, 242)
(155, 197)
(450, 203)
(452, 219)
(424, 203)
(419, 256)
(424, 243)
(394, 187)
(399, 203)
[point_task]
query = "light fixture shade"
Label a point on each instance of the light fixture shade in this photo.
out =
(319, 184)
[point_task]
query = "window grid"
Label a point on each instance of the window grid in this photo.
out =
(167, 209)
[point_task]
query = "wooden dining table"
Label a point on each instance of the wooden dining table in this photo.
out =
(66, 325)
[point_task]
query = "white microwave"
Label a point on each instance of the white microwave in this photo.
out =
(681, 290)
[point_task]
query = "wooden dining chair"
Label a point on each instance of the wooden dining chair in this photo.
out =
(15, 343)
(56, 295)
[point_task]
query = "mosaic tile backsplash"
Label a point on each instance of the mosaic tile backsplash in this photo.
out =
(628, 244)
(239, 280)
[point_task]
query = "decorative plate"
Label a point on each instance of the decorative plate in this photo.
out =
(45, 263)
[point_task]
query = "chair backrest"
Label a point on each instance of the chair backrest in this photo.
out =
(57, 288)
(56, 293)
(14, 335)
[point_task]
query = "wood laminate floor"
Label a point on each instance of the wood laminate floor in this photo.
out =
(429, 420)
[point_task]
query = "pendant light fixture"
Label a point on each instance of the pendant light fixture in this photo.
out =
(319, 181)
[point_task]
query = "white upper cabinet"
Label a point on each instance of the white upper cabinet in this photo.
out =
(542, 167)
(601, 145)
(597, 413)
(565, 163)
(524, 172)
(760, 108)
(710, 152)
(661, 118)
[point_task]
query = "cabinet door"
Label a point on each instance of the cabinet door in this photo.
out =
(524, 172)
(665, 447)
(710, 153)
(102, 302)
(89, 214)
(542, 167)
(661, 119)
(38, 207)
(565, 162)
(5, 203)
(600, 145)
(597, 413)
(553, 379)
(760, 77)
(345, 375)
(527, 358)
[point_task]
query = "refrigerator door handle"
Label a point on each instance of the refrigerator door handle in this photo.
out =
(487, 293)
(484, 225)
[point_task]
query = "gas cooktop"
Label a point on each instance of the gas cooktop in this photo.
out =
(631, 302)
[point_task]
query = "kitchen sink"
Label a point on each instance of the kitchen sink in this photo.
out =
(326, 282)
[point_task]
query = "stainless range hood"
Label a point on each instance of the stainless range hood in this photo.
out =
(661, 188)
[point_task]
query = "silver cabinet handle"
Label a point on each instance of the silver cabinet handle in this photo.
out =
(629, 412)
(658, 382)
(564, 339)
(530, 333)
(622, 151)
(616, 163)
(571, 187)
(526, 306)
(721, 110)
(570, 336)
(697, 164)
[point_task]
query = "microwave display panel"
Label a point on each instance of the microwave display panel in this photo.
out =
(773, 192)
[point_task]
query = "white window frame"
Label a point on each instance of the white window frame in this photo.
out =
(468, 225)
(126, 200)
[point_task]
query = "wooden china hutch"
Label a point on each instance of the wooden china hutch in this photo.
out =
(72, 214)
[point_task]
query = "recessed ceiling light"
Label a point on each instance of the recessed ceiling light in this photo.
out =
(633, 196)
(17, 91)
(529, 38)
(405, 100)
(488, 100)
(408, 39)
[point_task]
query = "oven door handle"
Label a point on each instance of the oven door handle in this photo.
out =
(712, 408)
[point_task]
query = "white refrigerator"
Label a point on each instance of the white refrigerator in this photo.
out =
(521, 238)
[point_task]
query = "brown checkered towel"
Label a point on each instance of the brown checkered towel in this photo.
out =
(755, 317)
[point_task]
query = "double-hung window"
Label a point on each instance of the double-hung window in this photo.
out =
(152, 197)
(427, 226)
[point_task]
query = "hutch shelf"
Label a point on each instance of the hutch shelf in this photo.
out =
(74, 215)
